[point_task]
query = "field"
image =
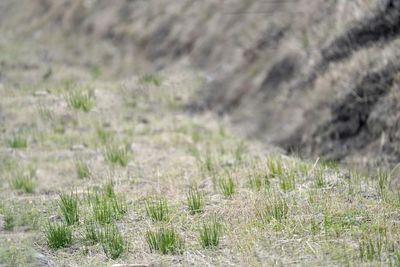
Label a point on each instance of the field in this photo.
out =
(100, 172)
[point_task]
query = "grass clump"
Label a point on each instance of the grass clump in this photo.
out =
(165, 241)
(210, 233)
(9, 221)
(80, 100)
(23, 181)
(18, 142)
(157, 209)
(82, 169)
(117, 155)
(151, 79)
(227, 185)
(92, 232)
(257, 180)
(288, 181)
(276, 209)
(195, 201)
(319, 178)
(112, 242)
(69, 207)
(106, 205)
(275, 167)
(58, 235)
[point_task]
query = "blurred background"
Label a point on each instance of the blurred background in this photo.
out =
(316, 78)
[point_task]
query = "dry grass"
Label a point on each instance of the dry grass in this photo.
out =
(271, 210)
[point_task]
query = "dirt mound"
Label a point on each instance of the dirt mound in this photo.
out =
(319, 78)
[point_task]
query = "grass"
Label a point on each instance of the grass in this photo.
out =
(165, 241)
(9, 221)
(227, 185)
(275, 167)
(157, 209)
(276, 209)
(106, 209)
(80, 100)
(82, 169)
(258, 180)
(18, 142)
(58, 235)
(112, 241)
(92, 232)
(69, 206)
(117, 155)
(210, 233)
(319, 178)
(23, 181)
(151, 79)
(288, 181)
(195, 201)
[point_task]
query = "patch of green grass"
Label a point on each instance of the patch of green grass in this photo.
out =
(82, 169)
(210, 233)
(370, 248)
(287, 181)
(151, 79)
(157, 209)
(165, 241)
(92, 232)
(18, 142)
(117, 155)
(112, 241)
(106, 209)
(22, 180)
(195, 201)
(257, 180)
(80, 100)
(275, 167)
(104, 135)
(227, 185)
(239, 151)
(69, 206)
(276, 208)
(12, 254)
(9, 221)
(58, 235)
(319, 178)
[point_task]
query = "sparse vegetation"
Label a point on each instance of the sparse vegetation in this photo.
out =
(164, 240)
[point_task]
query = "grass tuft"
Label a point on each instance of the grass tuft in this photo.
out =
(165, 240)
(157, 209)
(151, 78)
(227, 185)
(195, 201)
(58, 235)
(117, 155)
(18, 142)
(23, 181)
(82, 169)
(210, 233)
(112, 242)
(276, 209)
(69, 207)
(80, 100)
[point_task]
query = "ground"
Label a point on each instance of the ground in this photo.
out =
(79, 135)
